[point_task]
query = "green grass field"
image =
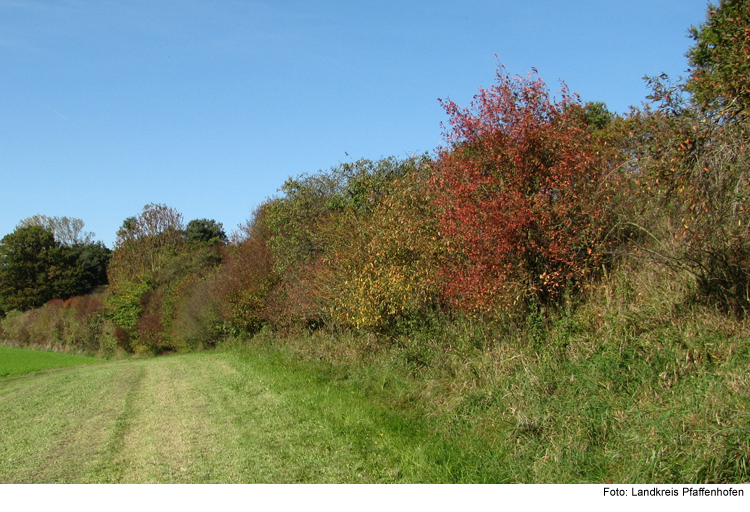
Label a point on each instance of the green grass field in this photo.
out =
(15, 361)
(224, 417)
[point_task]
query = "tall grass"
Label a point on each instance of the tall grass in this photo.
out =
(639, 384)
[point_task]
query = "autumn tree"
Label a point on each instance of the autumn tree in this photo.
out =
(517, 186)
(720, 67)
(318, 231)
(145, 241)
(384, 248)
(66, 230)
(685, 194)
(299, 228)
(247, 278)
(688, 195)
(144, 246)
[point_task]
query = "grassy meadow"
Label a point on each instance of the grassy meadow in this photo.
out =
(218, 417)
(15, 361)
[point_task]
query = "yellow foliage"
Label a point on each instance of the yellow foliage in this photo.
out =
(385, 263)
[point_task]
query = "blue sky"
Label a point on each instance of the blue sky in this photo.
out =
(208, 106)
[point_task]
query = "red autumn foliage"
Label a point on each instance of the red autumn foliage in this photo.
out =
(246, 278)
(516, 190)
(85, 306)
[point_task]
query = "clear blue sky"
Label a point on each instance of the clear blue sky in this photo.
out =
(208, 106)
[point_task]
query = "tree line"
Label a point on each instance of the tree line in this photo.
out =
(532, 198)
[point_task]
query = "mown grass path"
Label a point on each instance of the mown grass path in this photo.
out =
(224, 417)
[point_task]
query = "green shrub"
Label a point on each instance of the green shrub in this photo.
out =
(124, 303)
(243, 288)
(197, 323)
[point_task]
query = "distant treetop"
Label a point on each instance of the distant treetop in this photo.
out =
(66, 230)
(204, 231)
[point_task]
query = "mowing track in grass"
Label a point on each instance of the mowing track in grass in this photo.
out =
(208, 417)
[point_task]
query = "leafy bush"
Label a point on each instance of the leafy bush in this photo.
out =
(77, 324)
(197, 323)
(246, 279)
(720, 74)
(14, 330)
(154, 274)
(297, 224)
(519, 189)
(352, 246)
(683, 201)
(124, 303)
(384, 260)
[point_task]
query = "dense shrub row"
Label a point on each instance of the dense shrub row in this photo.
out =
(526, 204)
(532, 198)
(77, 324)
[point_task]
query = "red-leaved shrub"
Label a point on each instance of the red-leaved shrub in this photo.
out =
(517, 190)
